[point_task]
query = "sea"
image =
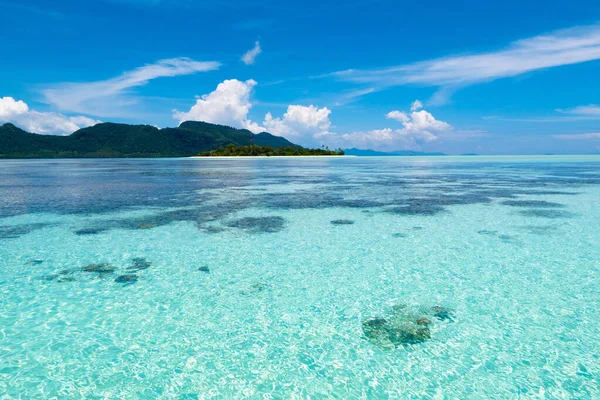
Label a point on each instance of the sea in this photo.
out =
(468, 277)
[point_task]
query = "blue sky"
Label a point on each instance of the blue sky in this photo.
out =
(512, 77)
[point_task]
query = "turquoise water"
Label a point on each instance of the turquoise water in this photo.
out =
(244, 288)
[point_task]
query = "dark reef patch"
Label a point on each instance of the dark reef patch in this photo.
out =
(342, 222)
(417, 208)
(547, 213)
(258, 224)
(442, 313)
(90, 231)
(204, 268)
(213, 229)
(403, 326)
(542, 229)
(139, 264)
(532, 204)
(66, 275)
(16, 231)
(101, 268)
(199, 216)
(399, 235)
(317, 199)
(127, 279)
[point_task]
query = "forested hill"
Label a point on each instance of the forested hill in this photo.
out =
(122, 140)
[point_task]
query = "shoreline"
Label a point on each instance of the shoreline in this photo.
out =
(249, 157)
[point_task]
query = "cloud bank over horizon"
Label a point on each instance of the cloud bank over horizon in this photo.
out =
(230, 104)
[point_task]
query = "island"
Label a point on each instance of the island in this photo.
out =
(111, 140)
(232, 150)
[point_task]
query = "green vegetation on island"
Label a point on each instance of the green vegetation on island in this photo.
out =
(232, 150)
(122, 140)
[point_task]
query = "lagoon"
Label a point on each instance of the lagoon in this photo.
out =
(291, 278)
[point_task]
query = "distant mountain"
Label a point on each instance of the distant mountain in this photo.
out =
(122, 140)
(359, 152)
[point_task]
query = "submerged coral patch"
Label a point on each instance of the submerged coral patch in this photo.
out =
(399, 235)
(442, 313)
(547, 213)
(541, 229)
(127, 279)
(417, 208)
(213, 229)
(342, 222)
(138, 264)
(15, 231)
(198, 215)
(90, 231)
(101, 268)
(532, 204)
(403, 326)
(258, 224)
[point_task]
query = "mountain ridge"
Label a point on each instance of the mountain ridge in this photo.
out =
(117, 140)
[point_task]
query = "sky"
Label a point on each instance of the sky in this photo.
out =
(510, 77)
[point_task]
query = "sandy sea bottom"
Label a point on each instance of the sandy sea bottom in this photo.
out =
(374, 278)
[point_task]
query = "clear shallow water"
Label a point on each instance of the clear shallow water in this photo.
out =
(510, 245)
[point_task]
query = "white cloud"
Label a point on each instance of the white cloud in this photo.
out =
(10, 108)
(418, 122)
(591, 110)
(228, 104)
(580, 136)
(416, 105)
(250, 56)
(418, 127)
(48, 123)
(351, 96)
(564, 47)
(112, 97)
(299, 122)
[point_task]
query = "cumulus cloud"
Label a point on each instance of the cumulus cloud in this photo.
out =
(47, 123)
(418, 128)
(229, 104)
(250, 56)
(299, 122)
(112, 97)
(418, 122)
(563, 47)
(10, 108)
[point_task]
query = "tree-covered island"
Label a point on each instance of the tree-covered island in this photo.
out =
(232, 150)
